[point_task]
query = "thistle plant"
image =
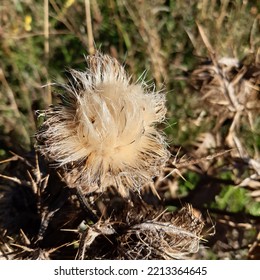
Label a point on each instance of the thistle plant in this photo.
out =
(103, 132)
(101, 137)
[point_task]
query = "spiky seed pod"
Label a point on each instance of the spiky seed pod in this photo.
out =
(143, 233)
(103, 132)
(168, 236)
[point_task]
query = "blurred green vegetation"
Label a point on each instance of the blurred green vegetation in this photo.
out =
(159, 36)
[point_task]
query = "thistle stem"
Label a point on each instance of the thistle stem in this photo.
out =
(85, 205)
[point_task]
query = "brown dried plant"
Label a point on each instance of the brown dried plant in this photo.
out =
(58, 228)
(143, 232)
(229, 87)
(145, 17)
(102, 134)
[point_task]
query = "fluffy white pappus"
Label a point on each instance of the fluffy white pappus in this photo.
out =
(104, 132)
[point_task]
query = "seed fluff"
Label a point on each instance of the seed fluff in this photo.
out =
(103, 132)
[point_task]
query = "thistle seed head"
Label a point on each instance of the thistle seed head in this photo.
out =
(103, 132)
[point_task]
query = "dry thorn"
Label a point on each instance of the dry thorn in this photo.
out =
(22, 159)
(13, 158)
(14, 179)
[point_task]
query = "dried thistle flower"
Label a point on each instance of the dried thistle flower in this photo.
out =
(168, 236)
(143, 232)
(103, 132)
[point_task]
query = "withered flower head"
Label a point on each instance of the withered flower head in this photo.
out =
(103, 132)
